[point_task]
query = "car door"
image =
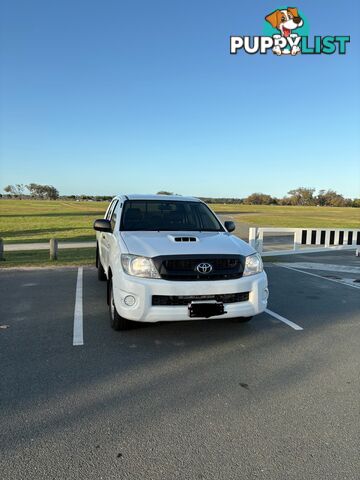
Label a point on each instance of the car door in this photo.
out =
(105, 238)
(113, 238)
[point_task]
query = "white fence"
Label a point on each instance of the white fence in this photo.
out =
(319, 238)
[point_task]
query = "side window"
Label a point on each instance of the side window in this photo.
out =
(114, 215)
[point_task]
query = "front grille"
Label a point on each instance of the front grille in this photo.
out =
(171, 300)
(182, 267)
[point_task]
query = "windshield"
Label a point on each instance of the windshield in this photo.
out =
(162, 215)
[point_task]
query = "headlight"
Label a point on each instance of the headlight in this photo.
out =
(139, 266)
(253, 265)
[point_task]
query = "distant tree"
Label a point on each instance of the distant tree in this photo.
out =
(164, 192)
(331, 198)
(286, 201)
(20, 188)
(302, 196)
(356, 203)
(17, 190)
(9, 189)
(51, 192)
(35, 190)
(43, 191)
(222, 200)
(259, 199)
(321, 200)
(104, 198)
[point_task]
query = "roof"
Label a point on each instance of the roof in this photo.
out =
(137, 196)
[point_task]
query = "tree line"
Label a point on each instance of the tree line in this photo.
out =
(297, 197)
(34, 190)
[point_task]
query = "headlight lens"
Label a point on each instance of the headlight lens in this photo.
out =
(139, 266)
(253, 265)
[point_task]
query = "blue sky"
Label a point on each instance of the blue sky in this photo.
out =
(123, 96)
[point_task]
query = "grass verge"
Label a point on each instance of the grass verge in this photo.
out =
(291, 217)
(27, 221)
(40, 258)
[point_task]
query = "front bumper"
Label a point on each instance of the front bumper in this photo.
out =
(142, 289)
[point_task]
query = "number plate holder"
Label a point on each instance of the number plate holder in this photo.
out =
(205, 309)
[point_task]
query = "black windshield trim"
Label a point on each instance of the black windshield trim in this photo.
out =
(122, 229)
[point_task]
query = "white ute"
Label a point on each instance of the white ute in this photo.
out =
(169, 258)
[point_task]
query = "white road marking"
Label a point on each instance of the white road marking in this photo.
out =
(322, 266)
(350, 281)
(283, 319)
(319, 276)
(78, 337)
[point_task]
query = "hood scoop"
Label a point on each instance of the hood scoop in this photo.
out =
(183, 239)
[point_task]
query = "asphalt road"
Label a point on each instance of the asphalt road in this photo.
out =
(196, 400)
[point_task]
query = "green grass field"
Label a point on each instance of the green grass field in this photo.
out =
(24, 221)
(292, 217)
(40, 258)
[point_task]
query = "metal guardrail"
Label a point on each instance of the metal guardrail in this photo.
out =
(319, 238)
(53, 246)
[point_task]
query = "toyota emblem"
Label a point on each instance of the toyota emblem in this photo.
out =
(204, 268)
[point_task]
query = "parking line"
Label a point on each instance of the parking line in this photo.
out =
(318, 276)
(78, 337)
(283, 319)
(325, 267)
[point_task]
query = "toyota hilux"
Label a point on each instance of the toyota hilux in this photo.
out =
(170, 258)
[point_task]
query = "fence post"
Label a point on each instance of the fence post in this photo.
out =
(297, 238)
(53, 249)
(260, 241)
(327, 238)
(1, 250)
(252, 236)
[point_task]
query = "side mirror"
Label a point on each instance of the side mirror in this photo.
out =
(102, 225)
(230, 226)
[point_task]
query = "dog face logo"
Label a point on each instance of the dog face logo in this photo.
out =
(286, 21)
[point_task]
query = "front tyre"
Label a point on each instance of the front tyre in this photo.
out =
(116, 322)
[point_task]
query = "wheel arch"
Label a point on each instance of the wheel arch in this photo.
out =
(109, 277)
